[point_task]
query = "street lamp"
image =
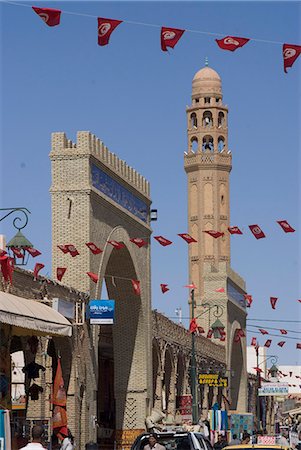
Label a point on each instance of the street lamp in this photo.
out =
(217, 327)
(19, 241)
(274, 360)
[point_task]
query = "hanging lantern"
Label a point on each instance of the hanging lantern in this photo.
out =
(218, 328)
(17, 249)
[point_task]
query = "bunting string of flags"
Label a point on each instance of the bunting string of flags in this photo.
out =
(169, 37)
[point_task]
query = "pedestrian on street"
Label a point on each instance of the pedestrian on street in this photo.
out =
(153, 444)
(235, 440)
(67, 440)
(37, 434)
(221, 442)
(246, 438)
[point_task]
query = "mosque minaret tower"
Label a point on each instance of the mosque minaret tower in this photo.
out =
(208, 163)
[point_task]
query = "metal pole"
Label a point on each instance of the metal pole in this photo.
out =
(195, 414)
(258, 386)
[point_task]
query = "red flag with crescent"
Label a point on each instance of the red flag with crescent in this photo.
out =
(93, 276)
(290, 54)
(281, 343)
(117, 245)
(139, 242)
(17, 252)
(298, 346)
(215, 234)
(231, 43)
(49, 15)
(170, 37)
(136, 287)
(33, 251)
(37, 268)
(273, 301)
(94, 249)
(7, 267)
(105, 29)
(248, 299)
(257, 231)
(286, 226)
(193, 326)
(72, 250)
(209, 334)
(282, 331)
(189, 239)
(263, 331)
(60, 272)
(164, 288)
(253, 342)
(268, 343)
(162, 240)
(234, 230)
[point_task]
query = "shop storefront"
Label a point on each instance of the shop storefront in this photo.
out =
(22, 322)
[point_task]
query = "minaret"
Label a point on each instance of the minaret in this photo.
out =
(219, 294)
(207, 164)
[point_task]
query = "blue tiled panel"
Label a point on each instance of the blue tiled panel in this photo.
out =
(115, 191)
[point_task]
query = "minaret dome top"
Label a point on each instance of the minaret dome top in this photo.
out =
(206, 81)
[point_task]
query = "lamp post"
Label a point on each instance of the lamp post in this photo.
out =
(193, 371)
(273, 359)
(193, 375)
(19, 241)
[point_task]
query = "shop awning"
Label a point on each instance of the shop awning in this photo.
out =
(32, 317)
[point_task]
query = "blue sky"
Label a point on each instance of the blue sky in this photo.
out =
(133, 97)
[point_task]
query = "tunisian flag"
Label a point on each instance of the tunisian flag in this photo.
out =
(215, 234)
(7, 267)
(60, 272)
(281, 343)
(93, 276)
(37, 269)
(234, 230)
(33, 251)
(189, 239)
(285, 226)
(273, 301)
(136, 286)
(231, 42)
(105, 29)
(139, 242)
(49, 15)
(170, 37)
(248, 299)
(193, 326)
(268, 343)
(164, 288)
(290, 54)
(93, 247)
(257, 231)
(162, 240)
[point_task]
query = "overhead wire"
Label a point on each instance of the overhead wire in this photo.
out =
(131, 22)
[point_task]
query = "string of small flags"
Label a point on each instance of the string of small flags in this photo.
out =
(169, 37)
(268, 342)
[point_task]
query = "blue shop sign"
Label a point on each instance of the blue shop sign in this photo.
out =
(101, 312)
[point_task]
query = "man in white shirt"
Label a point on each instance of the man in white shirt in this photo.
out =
(153, 444)
(37, 436)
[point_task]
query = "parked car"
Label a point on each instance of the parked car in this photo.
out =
(175, 440)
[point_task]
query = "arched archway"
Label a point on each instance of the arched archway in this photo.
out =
(168, 379)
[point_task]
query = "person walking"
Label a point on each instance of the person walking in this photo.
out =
(67, 440)
(37, 434)
(235, 440)
(153, 444)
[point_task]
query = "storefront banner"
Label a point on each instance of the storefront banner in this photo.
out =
(273, 389)
(101, 312)
(241, 423)
(212, 379)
